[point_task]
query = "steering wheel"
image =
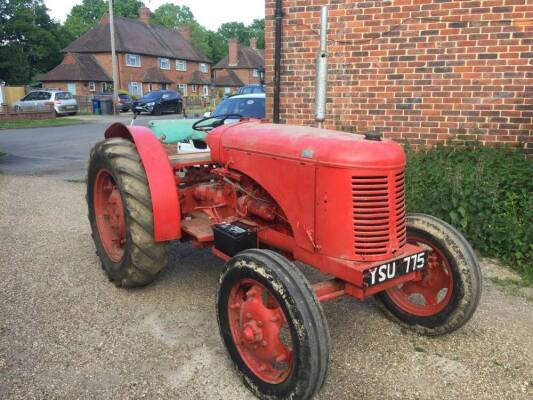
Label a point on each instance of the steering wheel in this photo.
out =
(218, 120)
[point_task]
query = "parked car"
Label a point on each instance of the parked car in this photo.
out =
(37, 100)
(125, 102)
(250, 89)
(158, 102)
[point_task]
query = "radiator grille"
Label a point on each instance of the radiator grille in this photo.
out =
(378, 214)
(401, 233)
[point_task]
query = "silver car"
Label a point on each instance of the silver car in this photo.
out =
(64, 103)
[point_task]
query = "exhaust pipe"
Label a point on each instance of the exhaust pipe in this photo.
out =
(321, 85)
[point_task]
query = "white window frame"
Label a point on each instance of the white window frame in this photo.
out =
(227, 90)
(203, 68)
(206, 90)
(181, 65)
(255, 73)
(92, 87)
(194, 88)
(139, 91)
(135, 56)
(164, 86)
(182, 87)
(166, 61)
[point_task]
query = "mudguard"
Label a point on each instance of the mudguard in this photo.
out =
(161, 179)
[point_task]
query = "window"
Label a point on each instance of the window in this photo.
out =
(181, 65)
(164, 86)
(92, 87)
(182, 88)
(164, 63)
(63, 96)
(194, 88)
(227, 90)
(203, 68)
(133, 60)
(206, 90)
(71, 87)
(255, 73)
(135, 89)
(250, 107)
(107, 87)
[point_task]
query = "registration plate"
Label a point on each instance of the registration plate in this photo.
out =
(71, 107)
(393, 269)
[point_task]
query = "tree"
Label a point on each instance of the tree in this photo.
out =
(31, 40)
(86, 15)
(172, 16)
(235, 30)
(257, 30)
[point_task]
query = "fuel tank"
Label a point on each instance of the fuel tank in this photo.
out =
(343, 195)
(319, 146)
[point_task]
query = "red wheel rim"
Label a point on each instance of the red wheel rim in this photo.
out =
(260, 331)
(109, 214)
(430, 294)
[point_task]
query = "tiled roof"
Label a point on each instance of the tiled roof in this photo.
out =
(247, 58)
(136, 37)
(198, 78)
(155, 75)
(231, 79)
(84, 68)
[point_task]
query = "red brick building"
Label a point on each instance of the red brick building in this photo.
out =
(149, 57)
(425, 71)
(240, 67)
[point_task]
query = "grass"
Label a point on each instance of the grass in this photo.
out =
(39, 123)
(516, 287)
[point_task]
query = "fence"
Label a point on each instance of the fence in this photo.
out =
(13, 93)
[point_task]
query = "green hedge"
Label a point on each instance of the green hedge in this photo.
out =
(486, 192)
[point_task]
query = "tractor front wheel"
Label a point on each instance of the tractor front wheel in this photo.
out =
(273, 326)
(448, 292)
(120, 214)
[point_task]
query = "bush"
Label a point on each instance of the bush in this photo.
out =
(486, 192)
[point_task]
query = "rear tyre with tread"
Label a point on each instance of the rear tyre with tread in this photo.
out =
(448, 294)
(273, 326)
(137, 259)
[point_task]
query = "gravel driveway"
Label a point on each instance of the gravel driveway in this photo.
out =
(66, 332)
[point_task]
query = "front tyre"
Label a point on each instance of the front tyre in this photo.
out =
(120, 214)
(448, 293)
(273, 326)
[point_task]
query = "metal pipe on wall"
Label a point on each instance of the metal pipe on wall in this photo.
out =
(321, 85)
(278, 15)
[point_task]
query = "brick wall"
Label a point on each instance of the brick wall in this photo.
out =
(425, 71)
(7, 114)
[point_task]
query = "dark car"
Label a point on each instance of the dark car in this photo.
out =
(250, 89)
(158, 102)
(125, 102)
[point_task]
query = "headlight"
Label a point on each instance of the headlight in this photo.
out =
(150, 104)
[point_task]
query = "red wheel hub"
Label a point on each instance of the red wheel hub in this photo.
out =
(109, 214)
(429, 295)
(260, 331)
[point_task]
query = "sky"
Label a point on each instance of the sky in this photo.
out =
(209, 13)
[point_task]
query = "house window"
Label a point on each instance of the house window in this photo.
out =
(92, 87)
(164, 63)
(164, 86)
(203, 68)
(181, 65)
(133, 60)
(227, 90)
(107, 87)
(206, 90)
(194, 88)
(135, 89)
(182, 87)
(255, 73)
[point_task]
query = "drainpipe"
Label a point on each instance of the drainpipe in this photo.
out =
(321, 89)
(277, 60)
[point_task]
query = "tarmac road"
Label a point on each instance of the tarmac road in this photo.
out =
(66, 332)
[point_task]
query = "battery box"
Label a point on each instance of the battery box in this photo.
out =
(233, 238)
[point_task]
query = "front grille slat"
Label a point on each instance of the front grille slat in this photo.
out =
(378, 213)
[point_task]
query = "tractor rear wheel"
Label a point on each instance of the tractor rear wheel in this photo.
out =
(120, 214)
(448, 293)
(273, 326)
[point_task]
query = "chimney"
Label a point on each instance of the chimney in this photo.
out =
(233, 50)
(185, 31)
(144, 14)
(253, 43)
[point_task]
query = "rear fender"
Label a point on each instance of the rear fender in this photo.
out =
(161, 179)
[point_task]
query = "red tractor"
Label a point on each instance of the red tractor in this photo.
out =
(264, 197)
